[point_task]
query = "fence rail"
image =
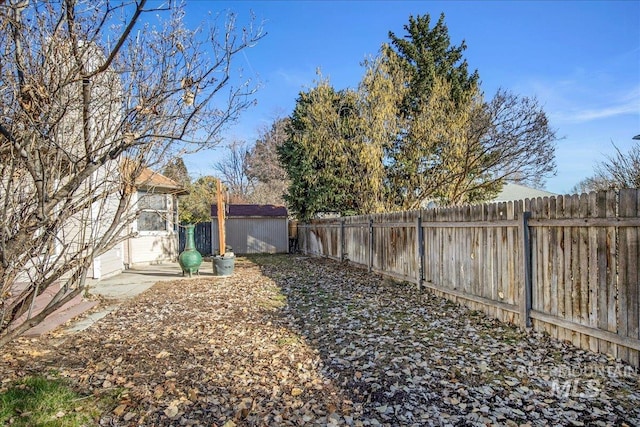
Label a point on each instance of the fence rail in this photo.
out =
(567, 265)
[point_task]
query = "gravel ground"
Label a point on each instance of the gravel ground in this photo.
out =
(290, 340)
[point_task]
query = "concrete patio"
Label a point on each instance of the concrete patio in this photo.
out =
(113, 291)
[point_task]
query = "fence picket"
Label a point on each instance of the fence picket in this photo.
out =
(628, 273)
(561, 292)
(552, 271)
(583, 254)
(594, 343)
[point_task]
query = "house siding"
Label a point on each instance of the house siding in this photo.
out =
(153, 249)
(253, 235)
(109, 263)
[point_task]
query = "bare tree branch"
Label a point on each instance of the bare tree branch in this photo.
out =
(91, 95)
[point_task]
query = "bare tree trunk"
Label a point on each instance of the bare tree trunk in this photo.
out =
(86, 108)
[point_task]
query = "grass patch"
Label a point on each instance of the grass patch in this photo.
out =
(40, 401)
(274, 302)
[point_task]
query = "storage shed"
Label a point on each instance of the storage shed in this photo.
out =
(253, 229)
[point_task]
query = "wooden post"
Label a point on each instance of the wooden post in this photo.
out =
(221, 233)
(525, 297)
(420, 235)
(370, 244)
(342, 240)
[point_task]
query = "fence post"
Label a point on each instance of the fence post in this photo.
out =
(370, 245)
(420, 235)
(342, 240)
(525, 297)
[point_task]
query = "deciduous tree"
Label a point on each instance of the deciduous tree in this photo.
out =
(620, 170)
(90, 94)
(263, 166)
(233, 170)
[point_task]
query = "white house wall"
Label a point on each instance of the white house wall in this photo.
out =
(153, 249)
(109, 263)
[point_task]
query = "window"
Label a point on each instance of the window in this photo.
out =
(155, 213)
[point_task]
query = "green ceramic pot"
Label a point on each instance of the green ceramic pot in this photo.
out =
(190, 259)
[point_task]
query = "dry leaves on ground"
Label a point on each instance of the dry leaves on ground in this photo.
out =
(290, 340)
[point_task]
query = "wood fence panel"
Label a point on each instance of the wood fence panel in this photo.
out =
(567, 283)
(554, 265)
(574, 278)
(496, 274)
(628, 274)
(202, 238)
(461, 253)
(583, 265)
(547, 265)
(604, 264)
(537, 264)
(582, 251)
(561, 272)
(592, 236)
(512, 284)
(612, 270)
(503, 262)
(491, 292)
(474, 214)
(356, 239)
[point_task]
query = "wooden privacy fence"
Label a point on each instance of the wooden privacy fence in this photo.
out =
(202, 237)
(567, 265)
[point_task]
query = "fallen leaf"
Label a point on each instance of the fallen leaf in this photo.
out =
(119, 410)
(171, 410)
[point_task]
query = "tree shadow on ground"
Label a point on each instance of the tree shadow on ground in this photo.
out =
(291, 340)
(406, 357)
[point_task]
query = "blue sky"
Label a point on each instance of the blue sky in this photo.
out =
(581, 59)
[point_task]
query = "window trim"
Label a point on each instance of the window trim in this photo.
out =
(168, 211)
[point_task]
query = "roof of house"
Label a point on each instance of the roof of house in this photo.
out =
(251, 211)
(512, 191)
(153, 180)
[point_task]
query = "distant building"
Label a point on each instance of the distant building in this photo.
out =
(252, 229)
(511, 192)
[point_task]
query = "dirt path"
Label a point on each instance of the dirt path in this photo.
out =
(289, 340)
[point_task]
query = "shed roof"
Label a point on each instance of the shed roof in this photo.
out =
(252, 211)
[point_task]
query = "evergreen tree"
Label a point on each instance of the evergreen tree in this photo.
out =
(176, 170)
(195, 207)
(454, 147)
(429, 63)
(427, 54)
(416, 130)
(318, 155)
